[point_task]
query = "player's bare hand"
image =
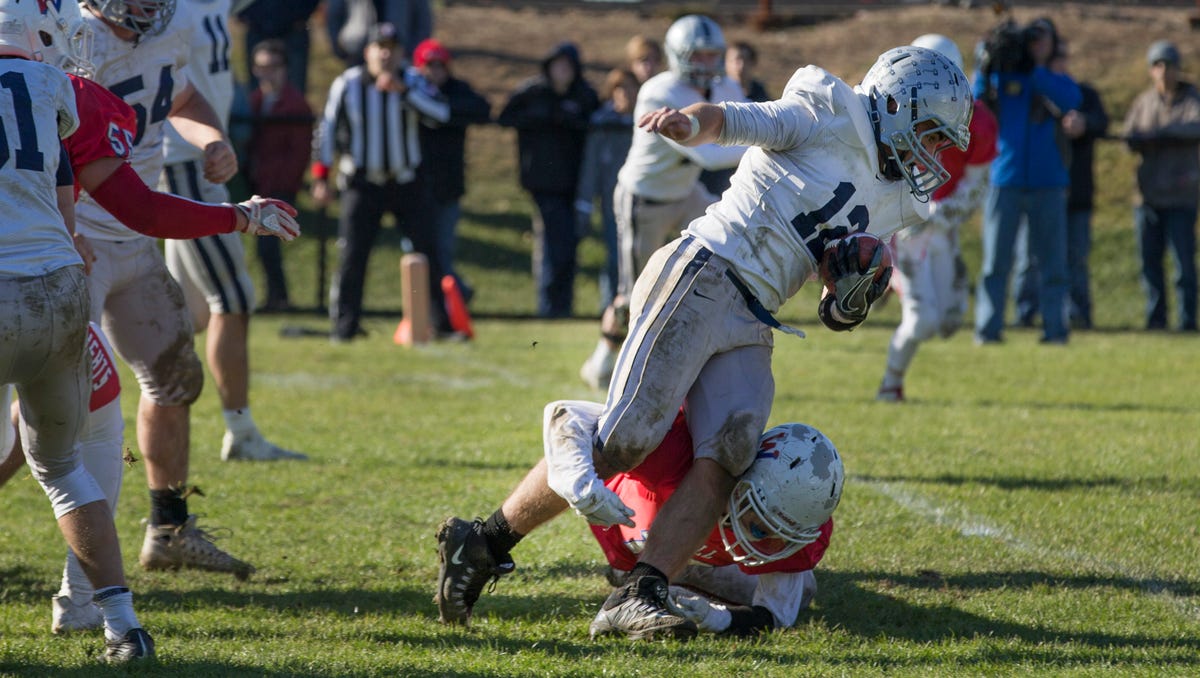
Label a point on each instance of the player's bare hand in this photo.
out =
(668, 122)
(220, 162)
(1074, 124)
(390, 82)
(321, 193)
(84, 248)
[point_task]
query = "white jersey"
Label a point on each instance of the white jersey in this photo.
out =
(37, 109)
(812, 176)
(209, 68)
(660, 169)
(148, 74)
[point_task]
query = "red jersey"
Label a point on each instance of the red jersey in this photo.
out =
(980, 150)
(646, 488)
(107, 126)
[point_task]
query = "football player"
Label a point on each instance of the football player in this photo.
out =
(930, 277)
(141, 54)
(212, 270)
(753, 572)
(658, 188)
(43, 291)
(98, 151)
(826, 160)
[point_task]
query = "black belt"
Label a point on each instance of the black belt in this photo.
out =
(764, 316)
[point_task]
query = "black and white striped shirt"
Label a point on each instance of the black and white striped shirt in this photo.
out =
(373, 133)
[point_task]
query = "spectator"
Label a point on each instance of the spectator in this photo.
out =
(658, 187)
(930, 276)
(1163, 126)
(377, 171)
(1082, 127)
(277, 153)
(283, 20)
(740, 61)
(610, 133)
(1028, 177)
(550, 112)
(644, 57)
(349, 23)
(443, 148)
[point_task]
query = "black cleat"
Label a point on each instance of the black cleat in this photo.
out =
(638, 610)
(466, 564)
(135, 646)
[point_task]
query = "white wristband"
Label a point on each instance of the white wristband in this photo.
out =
(695, 126)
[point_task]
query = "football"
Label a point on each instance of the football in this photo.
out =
(867, 245)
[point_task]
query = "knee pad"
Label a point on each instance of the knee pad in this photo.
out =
(68, 492)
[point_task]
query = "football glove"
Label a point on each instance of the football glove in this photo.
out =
(601, 506)
(854, 288)
(708, 616)
(268, 216)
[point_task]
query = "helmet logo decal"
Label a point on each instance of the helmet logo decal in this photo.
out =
(42, 5)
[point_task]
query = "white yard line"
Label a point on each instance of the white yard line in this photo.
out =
(969, 525)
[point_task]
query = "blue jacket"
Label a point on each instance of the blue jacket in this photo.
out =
(1028, 154)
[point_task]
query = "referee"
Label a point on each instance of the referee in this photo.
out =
(369, 131)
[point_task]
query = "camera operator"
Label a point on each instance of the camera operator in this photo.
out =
(1028, 177)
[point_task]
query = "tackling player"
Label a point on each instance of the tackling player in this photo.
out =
(930, 277)
(753, 572)
(827, 160)
(658, 188)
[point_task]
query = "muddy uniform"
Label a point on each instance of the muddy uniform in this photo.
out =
(43, 294)
(141, 306)
(701, 311)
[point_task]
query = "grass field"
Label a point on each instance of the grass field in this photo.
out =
(1030, 510)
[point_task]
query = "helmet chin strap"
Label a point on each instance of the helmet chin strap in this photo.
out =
(889, 165)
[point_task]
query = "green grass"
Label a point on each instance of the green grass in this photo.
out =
(1030, 509)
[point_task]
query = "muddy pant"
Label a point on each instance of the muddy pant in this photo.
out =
(691, 337)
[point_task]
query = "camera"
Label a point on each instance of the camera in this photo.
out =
(1006, 50)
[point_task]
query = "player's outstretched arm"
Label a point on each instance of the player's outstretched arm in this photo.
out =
(120, 191)
(693, 125)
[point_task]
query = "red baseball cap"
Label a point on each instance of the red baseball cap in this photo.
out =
(430, 50)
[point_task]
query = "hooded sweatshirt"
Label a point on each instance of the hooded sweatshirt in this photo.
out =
(551, 127)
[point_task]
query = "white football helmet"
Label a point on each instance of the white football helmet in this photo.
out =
(780, 503)
(942, 45)
(695, 50)
(907, 88)
(48, 31)
(144, 17)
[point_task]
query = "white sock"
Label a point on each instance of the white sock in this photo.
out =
(239, 422)
(116, 602)
(75, 584)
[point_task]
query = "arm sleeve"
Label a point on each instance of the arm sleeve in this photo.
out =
(160, 215)
(418, 96)
(776, 125)
(325, 141)
(783, 595)
(1059, 89)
